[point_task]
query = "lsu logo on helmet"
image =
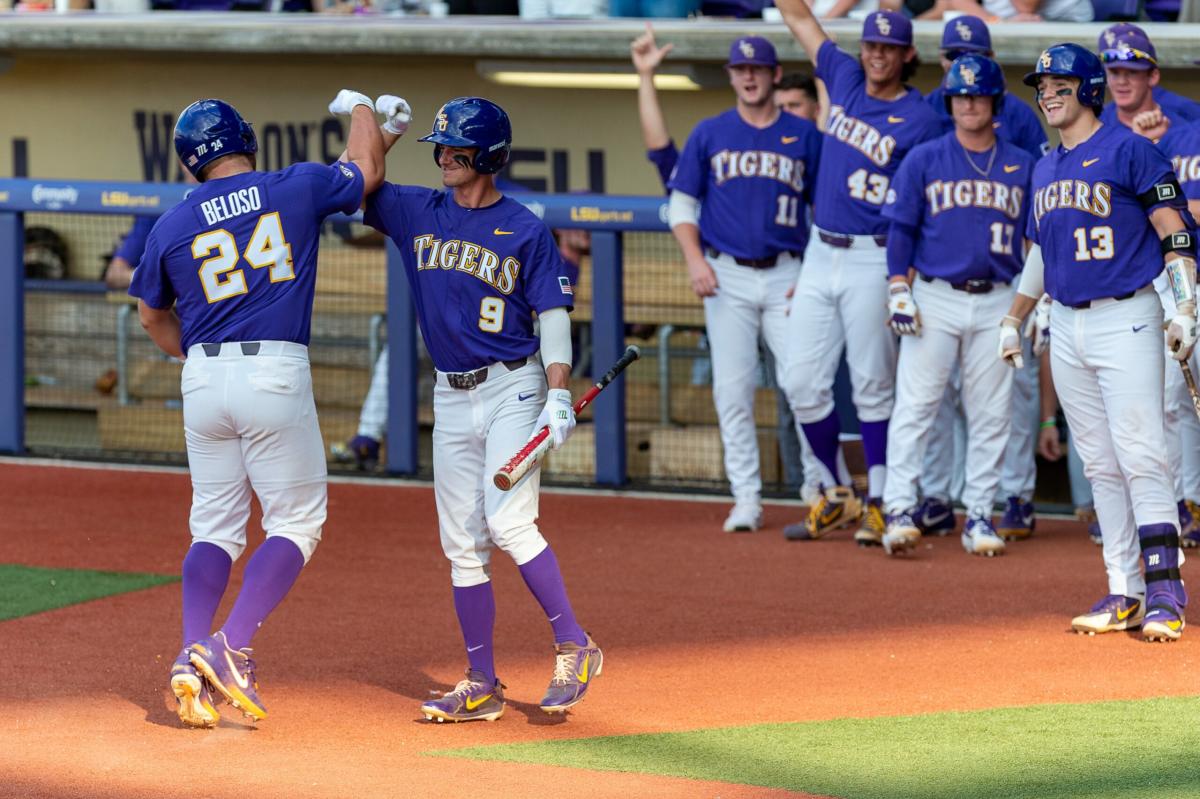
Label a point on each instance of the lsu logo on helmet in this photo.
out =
(746, 48)
(1110, 37)
(964, 32)
(882, 23)
(442, 121)
(1046, 59)
(968, 76)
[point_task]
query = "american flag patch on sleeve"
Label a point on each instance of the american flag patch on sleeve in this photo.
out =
(564, 283)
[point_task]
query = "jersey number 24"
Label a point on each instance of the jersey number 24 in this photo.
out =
(220, 276)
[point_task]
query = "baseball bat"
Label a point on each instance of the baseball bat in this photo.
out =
(536, 448)
(1190, 379)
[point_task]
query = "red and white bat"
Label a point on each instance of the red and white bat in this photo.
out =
(531, 455)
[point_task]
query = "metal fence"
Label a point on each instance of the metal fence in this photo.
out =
(78, 377)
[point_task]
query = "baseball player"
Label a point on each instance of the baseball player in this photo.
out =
(738, 208)
(1125, 42)
(1131, 68)
(1015, 122)
(841, 297)
(1109, 216)
(226, 281)
(957, 208)
(481, 265)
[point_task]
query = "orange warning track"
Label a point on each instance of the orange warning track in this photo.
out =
(700, 629)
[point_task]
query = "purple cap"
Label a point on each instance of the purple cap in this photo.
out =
(887, 27)
(966, 33)
(753, 50)
(1127, 46)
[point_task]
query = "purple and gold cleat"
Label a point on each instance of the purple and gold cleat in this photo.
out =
(1112, 613)
(231, 671)
(362, 451)
(935, 517)
(473, 699)
(1164, 619)
(1018, 521)
(575, 667)
(196, 705)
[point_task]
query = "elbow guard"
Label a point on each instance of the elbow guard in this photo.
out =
(1033, 278)
(683, 209)
(554, 329)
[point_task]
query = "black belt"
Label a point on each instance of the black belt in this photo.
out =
(976, 285)
(846, 242)
(248, 348)
(468, 380)
(1083, 305)
(752, 263)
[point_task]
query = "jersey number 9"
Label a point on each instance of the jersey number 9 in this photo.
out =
(491, 315)
(219, 276)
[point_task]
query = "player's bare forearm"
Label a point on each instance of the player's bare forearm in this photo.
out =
(163, 328)
(365, 147)
(1048, 398)
(1166, 221)
(688, 237)
(803, 25)
(558, 375)
(654, 125)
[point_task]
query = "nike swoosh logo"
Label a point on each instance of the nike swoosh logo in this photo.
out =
(1136, 328)
(472, 704)
(932, 520)
(1129, 612)
(1008, 170)
(789, 139)
(499, 232)
(475, 648)
(522, 398)
(583, 673)
(1174, 624)
(241, 680)
(895, 120)
(556, 618)
(1090, 161)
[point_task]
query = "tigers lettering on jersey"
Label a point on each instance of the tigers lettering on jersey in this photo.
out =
(1187, 167)
(729, 164)
(468, 257)
(944, 195)
(1078, 195)
(861, 136)
(227, 206)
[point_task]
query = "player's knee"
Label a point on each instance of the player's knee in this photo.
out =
(465, 575)
(523, 543)
(233, 549)
(305, 540)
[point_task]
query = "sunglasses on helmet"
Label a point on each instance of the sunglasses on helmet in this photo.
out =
(1126, 54)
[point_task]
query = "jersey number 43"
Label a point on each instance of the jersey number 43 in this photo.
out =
(220, 276)
(868, 186)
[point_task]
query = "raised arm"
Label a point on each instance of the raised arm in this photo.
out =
(803, 25)
(364, 147)
(647, 56)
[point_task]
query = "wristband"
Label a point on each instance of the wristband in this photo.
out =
(1048, 423)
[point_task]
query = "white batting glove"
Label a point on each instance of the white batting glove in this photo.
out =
(558, 415)
(345, 101)
(1038, 326)
(397, 111)
(1181, 335)
(1010, 342)
(903, 316)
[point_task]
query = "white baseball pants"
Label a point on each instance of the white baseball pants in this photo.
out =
(475, 432)
(956, 328)
(748, 301)
(372, 421)
(1107, 365)
(251, 424)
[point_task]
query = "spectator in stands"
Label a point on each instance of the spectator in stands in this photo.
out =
(1040, 10)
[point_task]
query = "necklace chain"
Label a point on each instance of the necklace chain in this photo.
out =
(991, 159)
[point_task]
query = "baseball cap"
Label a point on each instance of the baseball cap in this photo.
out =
(966, 34)
(1127, 46)
(752, 50)
(887, 27)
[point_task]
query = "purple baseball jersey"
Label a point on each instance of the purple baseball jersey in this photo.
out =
(1096, 237)
(238, 256)
(754, 184)
(1176, 106)
(477, 275)
(1181, 145)
(1016, 122)
(968, 226)
(865, 140)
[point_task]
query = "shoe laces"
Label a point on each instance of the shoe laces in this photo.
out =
(564, 666)
(1109, 602)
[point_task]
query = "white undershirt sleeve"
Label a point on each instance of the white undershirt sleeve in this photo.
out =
(554, 328)
(683, 209)
(1033, 279)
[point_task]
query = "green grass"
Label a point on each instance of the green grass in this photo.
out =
(25, 590)
(1125, 750)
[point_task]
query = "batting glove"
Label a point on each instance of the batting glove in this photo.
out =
(558, 415)
(903, 315)
(1181, 336)
(1010, 342)
(397, 111)
(1039, 325)
(345, 101)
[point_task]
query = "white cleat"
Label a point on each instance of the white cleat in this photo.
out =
(980, 537)
(745, 517)
(902, 534)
